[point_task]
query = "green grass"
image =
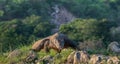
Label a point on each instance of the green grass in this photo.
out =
(64, 54)
(25, 49)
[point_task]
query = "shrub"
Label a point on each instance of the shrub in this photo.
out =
(21, 32)
(84, 29)
(1, 13)
(115, 33)
(91, 45)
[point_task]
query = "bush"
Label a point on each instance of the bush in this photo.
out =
(91, 45)
(20, 32)
(1, 13)
(23, 8)
(115, 33)
(87, 29)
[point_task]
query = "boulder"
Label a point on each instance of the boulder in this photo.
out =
(96, 59)
(113, 60)
(114, 47)
(70, 58)
(46, 60)
(32, 57)
(84, 57)
(77, 57)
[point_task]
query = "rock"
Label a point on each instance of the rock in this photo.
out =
(32, 57)
(14, 53)
(77, 57)
(96, 59)
(114, 47)
(113, 60)
(84, 57)
(57, 42)
(70, 58)
(46, 60)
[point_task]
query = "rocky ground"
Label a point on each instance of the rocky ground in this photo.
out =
(67, 56)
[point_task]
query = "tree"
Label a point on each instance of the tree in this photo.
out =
(84, 29)
(22, 32)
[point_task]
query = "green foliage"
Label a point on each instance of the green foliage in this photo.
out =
(84, 29)
(1, 13)
(23, 21)
(115, 33)
(19, 32)
(81, 8)
(22, 8)
(93, 8)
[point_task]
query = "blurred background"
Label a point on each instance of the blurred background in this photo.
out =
(92, 23)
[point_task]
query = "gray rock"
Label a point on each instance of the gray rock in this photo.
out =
(32, 57)
(46, 60)
(114, 47)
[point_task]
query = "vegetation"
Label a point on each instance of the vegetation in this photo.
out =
(81, 30)
(22, 22)
(22, 31)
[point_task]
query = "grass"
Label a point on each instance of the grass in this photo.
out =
(64, 54)
(25, 49)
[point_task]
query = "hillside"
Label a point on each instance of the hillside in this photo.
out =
(93, 24)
